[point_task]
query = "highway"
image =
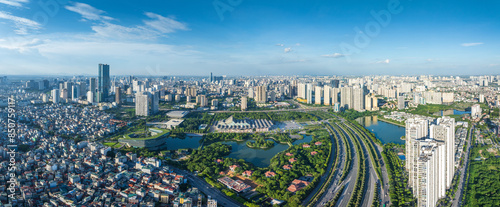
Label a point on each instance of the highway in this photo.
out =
(384, 191)
(457, 201)
(350, 179)
(333, 186)
(222, 199)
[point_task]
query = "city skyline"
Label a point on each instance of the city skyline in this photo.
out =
(250, 38)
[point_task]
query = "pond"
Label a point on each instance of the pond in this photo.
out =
(190, 142)
(386, 132)
(259, 157)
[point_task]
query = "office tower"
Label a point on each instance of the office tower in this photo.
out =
(444, 131)
(243, 103)
(301, 90)
(335, 83)
(327, 95)
(358, 99)
(146, 103)
(401, 102)
(118, 95)
(346, 97)
(261, 95)
(75, 92)
(92, 85)
(309, 93)
(476, 111)
(272, 96)
(69, 88)
(55, 95)
(211, 77)
(318, 91)
(90, 96)
(250, 93)
(103, 83)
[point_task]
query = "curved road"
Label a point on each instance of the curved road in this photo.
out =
(350, 179)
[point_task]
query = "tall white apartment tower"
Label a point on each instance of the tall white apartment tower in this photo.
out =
(416, 129)
(318, 91)
(444, 131)
(309, 93)
(327, 95)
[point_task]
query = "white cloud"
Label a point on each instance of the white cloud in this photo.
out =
(298, 44)
(288, 49)
(88, 12)
(281, 45)
(471, 44)
(21, 45)
(22, 24)
(163, 24)
(334, 55)
(16, 3)
(386, 61)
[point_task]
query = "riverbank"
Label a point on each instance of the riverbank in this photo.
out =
(390, 121)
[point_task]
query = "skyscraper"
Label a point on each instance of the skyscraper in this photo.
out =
(327, 93)
(118, 95)
(346, 98)
(401, 102)
(261, 94)
(104, 82)
(55, 95)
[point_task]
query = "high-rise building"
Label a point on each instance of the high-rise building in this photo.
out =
(476, 111)
(250, 93)
(368, 102)
(215, 103)
(327, 95)
(90, 96)
(318, 91)
(118, 95)
(69, 88)
(55, 96)
(202, 100)
(243, 103)
(358, 99)
(430, 158)
(401, 102)
(146, 103)
(335, 83)
(301, 90)
(309, 93)
(346, 101)
(272, 96)
(75, 92)
(261, 94)
(103, 83)
(335, 92)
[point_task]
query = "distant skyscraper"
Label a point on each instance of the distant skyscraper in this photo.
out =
(55, 95)
(476, 111)
(243, 103)
(92, 85)
(90, 96)
(69, 88)
(250, 93)
(211, 77)
(261, 94)
(202, 100)
(104, 82)
(118, 95)
(335, 83)
(272, 96)
(75, 92)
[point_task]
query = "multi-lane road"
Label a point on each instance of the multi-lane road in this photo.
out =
(457, 201)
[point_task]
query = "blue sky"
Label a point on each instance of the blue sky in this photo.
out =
(243, 37)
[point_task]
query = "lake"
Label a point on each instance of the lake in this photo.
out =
(259, 157)
(451, 112)
(386, 132)
(190, 142)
